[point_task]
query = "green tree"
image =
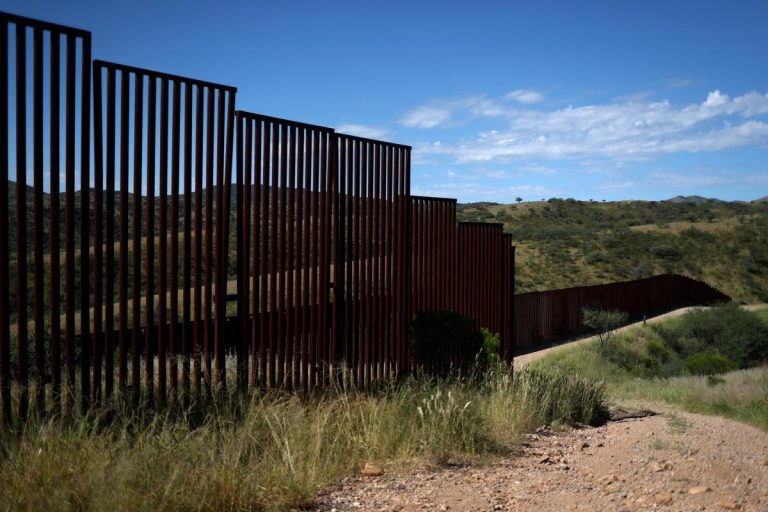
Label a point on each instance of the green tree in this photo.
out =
(604, 322)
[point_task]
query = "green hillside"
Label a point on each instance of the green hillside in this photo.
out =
(562, 243)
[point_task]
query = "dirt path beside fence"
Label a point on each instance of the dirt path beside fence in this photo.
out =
(673, 461)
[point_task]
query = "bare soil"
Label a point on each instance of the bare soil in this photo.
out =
(672, 461)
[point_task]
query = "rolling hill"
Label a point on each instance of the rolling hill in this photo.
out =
(562, 243)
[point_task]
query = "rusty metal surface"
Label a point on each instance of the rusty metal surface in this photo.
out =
(554, 314)
(175, 331)
(333, 257)
(24, 268)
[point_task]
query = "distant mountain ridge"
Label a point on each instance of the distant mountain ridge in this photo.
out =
(694, 199)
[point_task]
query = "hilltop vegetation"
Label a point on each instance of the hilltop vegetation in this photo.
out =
(562, 243)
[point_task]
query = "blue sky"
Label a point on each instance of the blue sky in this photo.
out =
(591, 100)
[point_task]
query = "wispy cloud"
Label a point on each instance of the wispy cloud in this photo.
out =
(427, 117)
(480, 192)
(687, 180)
(443, 113)
(369, 132)
(525, 96)
(617, 131)
(680, 83)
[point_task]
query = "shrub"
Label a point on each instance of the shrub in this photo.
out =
(658, 350)
(739, 335)
(707, 363)
(491, 345)
(439, 335)
(604, 322)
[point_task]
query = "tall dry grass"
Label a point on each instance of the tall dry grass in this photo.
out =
(275, 451)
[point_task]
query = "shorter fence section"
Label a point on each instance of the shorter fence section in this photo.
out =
(554, 314)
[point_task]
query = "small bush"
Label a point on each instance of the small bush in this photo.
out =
(437, 336)
(491, 346)
(604, 322)
(739, 335)
(658, 350)
(707, 363)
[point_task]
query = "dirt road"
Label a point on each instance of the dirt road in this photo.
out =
(673, 461)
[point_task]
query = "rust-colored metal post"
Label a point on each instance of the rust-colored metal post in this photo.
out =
(149, 261)
(38, 228)
(162, 288)
(138, 111)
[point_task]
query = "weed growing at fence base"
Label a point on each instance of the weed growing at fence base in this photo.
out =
(687, 362)
(276, 451)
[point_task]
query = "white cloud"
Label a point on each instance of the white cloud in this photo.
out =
(708, 180)
(618, 131)
(368, 132)
(426, 117)
(715, 99)
(478, 192)
(525, 96)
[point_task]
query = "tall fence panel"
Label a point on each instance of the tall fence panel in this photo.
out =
(507, 315)
(285, 202)
(163, 148)
(479, 283)
(549, 315)
(370, 256)
(433, 254)
(37, 210)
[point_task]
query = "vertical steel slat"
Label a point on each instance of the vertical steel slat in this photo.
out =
(38, 228)
(256, 339)
(301, 358)
(289, 267)
(357, 277)
(149, 269)
(336, 258)
(173, 342)
(245, 159)
(241, 245)
(228, 150)
(265, 330)
(397, 314)
(69, 167)
(314, 292)
(138, 113)
(222, 218)
(322, 269)
(162, 250)
(186, 327)
(376, 260)
(85, 198)
(273, 209)
(209, 240)
(246, 334)
(109, 269)
(124, 174)
(98, 224)
(281, 269)
(5, 284)
(198, 251)
(349, 258)
(21, 216)
(365, 262)
(306, 331)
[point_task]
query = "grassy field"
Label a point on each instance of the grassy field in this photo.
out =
(563, 243)
(276, 451)
(646, 364)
